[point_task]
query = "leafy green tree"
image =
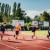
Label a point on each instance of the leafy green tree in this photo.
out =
(1, 20)
(46, 16)
(20, 13)
(14, 9)
(41, 17)
(37, 18)
(3, 9)
(28, 19)
(6, 10)
(0, 8)
(9, 10)
(0, 13)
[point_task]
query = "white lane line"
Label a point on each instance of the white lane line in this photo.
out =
(40, 46)
(10, 46)
(37, 46)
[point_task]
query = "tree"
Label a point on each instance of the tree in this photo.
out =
(9, 10)
(28, 19)
(46, 16)
(0, 14)
(20, 13)
(2, 9)
(14, 9)
(41, 17)
(6, 10)
(36, 18)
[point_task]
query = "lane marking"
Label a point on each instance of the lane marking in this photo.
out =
(40, 46)
(37, 45)
(10, 46)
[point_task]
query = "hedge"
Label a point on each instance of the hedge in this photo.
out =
(26, 28)
(44, 28)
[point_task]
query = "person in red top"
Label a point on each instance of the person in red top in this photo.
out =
(17, 29)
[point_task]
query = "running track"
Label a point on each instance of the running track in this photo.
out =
(24, 43)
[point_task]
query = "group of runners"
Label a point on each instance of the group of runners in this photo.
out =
(17, 29)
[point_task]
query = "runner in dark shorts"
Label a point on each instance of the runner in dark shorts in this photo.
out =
(3, 27)
(48, 33)
(17, 32)
(33, 30)
(17, 29)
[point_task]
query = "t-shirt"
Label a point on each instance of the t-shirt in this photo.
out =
(3, 28)
(17, 28)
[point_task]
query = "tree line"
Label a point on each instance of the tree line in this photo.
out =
(17, 13)
(5, 10)
(45, 16)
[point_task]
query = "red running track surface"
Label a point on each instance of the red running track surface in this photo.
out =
(26, 43)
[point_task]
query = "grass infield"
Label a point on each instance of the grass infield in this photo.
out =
(38, 33)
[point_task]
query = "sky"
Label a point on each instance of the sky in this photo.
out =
(32, 7)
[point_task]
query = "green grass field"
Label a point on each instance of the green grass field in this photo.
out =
(38, 33)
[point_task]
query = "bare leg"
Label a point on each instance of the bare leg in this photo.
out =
(48, 36)
(2, 35)
(17, 33)
(16, 36)
(33, 35)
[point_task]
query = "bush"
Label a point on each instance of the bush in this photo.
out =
(9, 26)
(28, 25)
(44, 28)
(24, 28)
